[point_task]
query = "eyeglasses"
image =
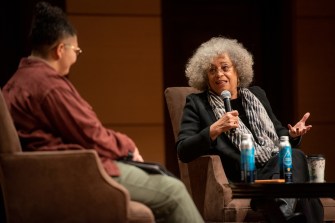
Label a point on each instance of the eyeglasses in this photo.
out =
(77, 50)
(224, 68)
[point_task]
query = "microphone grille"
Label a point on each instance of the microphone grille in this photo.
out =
(225, 94)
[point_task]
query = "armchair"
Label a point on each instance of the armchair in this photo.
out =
(60, 186)
(206, 180)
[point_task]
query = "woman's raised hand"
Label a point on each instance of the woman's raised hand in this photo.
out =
(300, 128)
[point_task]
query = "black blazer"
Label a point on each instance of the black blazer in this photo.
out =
(194, 140)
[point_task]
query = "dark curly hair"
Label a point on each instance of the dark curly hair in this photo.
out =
(49, 25)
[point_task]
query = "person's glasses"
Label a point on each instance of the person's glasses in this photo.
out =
(224, 68)
(77, 50)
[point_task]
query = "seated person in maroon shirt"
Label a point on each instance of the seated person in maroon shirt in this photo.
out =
(49, 114)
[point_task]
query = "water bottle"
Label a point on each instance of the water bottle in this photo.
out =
(285, 159)
(248, 167)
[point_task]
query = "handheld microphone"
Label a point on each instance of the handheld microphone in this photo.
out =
(225, 95)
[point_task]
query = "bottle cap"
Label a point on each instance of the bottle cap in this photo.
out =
(283, 138)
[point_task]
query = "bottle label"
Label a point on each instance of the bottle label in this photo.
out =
(248, 167)
(285, 161)
(286, 157)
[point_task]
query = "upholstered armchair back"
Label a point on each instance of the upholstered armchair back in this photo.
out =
(9, 140)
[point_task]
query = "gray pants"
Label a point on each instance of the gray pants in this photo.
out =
(166, 196)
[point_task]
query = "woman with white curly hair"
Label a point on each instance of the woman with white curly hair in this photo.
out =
(206, 128)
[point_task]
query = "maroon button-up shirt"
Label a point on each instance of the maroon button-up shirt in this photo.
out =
(49, 114)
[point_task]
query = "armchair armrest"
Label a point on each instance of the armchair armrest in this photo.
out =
(60, 186)
(213, 192)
